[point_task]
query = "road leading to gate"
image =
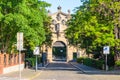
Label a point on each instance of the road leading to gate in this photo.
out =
(60, 71)
(65, 71)
(60, 66)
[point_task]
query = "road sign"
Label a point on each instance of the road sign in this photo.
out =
(19, 41)
(36, 51)
(106, 50)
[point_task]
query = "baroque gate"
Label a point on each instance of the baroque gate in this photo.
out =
(60, 47)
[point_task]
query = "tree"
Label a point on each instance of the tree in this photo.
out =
(25, 16)
(93, 25)
(48, 34)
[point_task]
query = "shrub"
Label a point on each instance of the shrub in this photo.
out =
(33, 60)
(99, 64)
(111, 60)
(88, 61)
(91, 62)
(117, 63)
(80, 60)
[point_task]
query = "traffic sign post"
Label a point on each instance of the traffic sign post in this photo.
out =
(19, 47)
(36, 52)
(19, 64)
(36, 64)
(106, 67)
(106, 51)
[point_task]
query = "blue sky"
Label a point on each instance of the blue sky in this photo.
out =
(65, 4)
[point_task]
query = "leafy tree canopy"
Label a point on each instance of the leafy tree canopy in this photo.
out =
(25, 16)
(93, 24)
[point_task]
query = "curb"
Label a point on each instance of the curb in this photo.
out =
(46, 64)
(87, 72)
(95, 72)
(43, 67)
(77, 67)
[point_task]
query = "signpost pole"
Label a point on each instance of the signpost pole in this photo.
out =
(106, 51)
(106, 63)
(36, 64)
(19, 64)
(36, 52)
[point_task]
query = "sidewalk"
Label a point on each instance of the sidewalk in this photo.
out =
(90, 70)
(26, 74)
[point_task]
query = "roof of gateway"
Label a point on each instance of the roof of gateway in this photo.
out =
(60, 12)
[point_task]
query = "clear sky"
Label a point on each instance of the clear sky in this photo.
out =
(65, 4)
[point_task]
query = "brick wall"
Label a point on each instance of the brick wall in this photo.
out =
(8, 60)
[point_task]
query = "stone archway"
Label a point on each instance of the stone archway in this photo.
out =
(58, 28)
(59, 51)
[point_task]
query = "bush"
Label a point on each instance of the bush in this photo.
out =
(88, 61)
(111, 60)
(80, 60)
(33, 61)
(117, 63)
(99, 63)
(91, 62)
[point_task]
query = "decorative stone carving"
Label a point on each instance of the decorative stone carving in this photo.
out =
(59, 8)
(63, 22)
(68, 11)
(57, 27)
(58, 17)
(54, 22)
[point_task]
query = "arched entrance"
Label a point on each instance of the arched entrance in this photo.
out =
(59, 51)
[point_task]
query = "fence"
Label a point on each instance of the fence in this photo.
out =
(9, 60)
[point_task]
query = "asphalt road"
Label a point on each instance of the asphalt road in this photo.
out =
(65, 71)
(60, 71)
